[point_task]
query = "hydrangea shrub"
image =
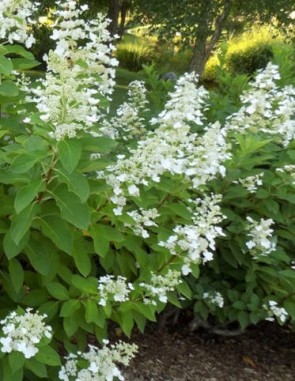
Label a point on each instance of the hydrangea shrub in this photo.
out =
(111, 217)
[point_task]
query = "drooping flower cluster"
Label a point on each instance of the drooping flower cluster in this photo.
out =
(22, 332)
(261, 242)
(251, 183)
(111, 288)
(15, 18)
(68, 99)
(214, 298)
(128, 123)
(274, 311)
(172, 148)
(159, 286)
(142, 219)
(266, 107)
(196, 242)
(98, 364)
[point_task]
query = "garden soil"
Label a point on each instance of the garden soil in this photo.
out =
(263, 353)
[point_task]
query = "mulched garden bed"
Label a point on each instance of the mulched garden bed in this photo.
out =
(264, 352)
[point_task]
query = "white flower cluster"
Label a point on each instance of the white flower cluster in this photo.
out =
(251, 183)
(142, 218)
(261, 242)
(266, 107)
(197, 240)
(289, 169)
(111, 288)
(15, 18)
(159, 285)
(128, 122)
(275, 311)
(214, 298)
(98, 364)
(79, 74)
(185, 105)
(22, 332)
(172, 147)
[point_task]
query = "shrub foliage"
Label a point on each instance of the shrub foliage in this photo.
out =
(110, 218)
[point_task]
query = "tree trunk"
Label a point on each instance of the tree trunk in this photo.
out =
(123, 13)
(204, 47)
(113, 15)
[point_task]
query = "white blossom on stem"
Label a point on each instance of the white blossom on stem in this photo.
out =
(274, 311)
(113, 288)
(261, 240)
(79, 74)
(196, 242)
(22, 332)
(142, 220)
(159, 285)
(98, 364)
(15, 19)
(266, 107)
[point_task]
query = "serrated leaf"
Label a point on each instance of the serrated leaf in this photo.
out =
(48, 356)
(77, 183)
(59, 232)
(37, 368)
(57, 290)
(71, 208)
(27, 194)
(12, 249)
(69, 153)
(16, 274)
(69, 308)
(21, 222)
(6, 66)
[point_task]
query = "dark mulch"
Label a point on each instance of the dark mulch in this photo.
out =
(264, 352)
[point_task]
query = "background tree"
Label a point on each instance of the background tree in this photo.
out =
(202, 22)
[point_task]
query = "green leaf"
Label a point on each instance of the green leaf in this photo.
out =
(91, 311)
(6, 66)
(42, 255)
(71, 325)
(180, 210)
(82, 258)
(47, 355)
(59, 232)
(184, 289)
(16, 273)
(9, 374)
(27, 194)
(101, 244)
(243, 318)
(16, 361)
(9, 89)
(98, 144)
(12, 249)
(71, 208)
(23, 163)
(21, 222)
(36, 297)
(58, 291)
(37, 368)
(77, 183)
(69, 308)
(49, 308)
(88, 285)
(24, 63)
(127, 322)
(69, 153)
(20, 50)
